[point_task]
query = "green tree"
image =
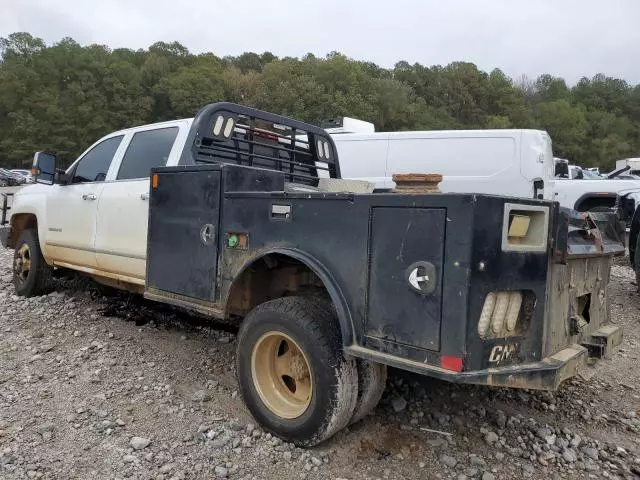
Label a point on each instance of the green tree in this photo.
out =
(567, 126)
(64, 96)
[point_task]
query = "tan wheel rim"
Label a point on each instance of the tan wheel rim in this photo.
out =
(22, 263)
(281, 375)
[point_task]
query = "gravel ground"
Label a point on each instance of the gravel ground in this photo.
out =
(99, 384)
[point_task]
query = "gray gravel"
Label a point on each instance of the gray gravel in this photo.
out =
(99, 384)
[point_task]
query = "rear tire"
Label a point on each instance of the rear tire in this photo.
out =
(293, 375)
(31, 274)
(372, 379)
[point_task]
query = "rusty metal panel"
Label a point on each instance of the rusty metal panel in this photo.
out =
(577, 303)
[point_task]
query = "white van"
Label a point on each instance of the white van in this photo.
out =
(517, 163)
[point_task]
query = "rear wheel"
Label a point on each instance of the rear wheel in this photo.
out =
(31, 274)
(293, 375)
(372, 378)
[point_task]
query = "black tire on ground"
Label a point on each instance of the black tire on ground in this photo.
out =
(372, 379)
(331, 378)
(636, 263)
(32, 278)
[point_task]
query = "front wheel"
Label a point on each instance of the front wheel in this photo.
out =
(293, 375)
(31, 274)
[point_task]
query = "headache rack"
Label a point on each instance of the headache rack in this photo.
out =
(230, 133)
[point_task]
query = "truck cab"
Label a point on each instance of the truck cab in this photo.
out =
(95, 218)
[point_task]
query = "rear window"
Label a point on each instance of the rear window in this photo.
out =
(147, 149)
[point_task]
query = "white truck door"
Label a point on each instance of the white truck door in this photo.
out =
(123, 207)
(71, 209)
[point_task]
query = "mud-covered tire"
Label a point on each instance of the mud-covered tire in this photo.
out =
(36, 279)
(333, 378)
(372, 379)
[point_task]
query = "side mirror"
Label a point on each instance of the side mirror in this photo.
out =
(44, 168)
(562, 170)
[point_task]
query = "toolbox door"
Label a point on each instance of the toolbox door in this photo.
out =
(405, 278)
(184, 214)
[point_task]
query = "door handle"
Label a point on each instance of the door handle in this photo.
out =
(89, 196)
(144, 196)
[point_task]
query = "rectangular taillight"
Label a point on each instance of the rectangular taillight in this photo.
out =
(525, 228)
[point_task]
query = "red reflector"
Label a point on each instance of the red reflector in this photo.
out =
(267, 135)
(451, 363)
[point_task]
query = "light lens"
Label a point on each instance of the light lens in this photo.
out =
(449, 362)
(500, 314)
(513, 311)
(518, 226)
(228, 128)
(217, 127)
(320, 149)
(485, 316)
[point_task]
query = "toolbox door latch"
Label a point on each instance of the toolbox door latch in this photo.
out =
(421, 277)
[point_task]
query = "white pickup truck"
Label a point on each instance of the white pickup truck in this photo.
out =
(224, 226)
(518, 163)
(97, 221)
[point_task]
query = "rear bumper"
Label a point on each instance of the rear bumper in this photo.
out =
(5, 235)
(547, 374)
(550, 372)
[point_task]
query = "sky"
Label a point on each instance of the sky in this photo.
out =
(567, 38)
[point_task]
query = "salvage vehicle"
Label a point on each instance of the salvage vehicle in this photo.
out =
(241, 215)
(9, 178)
(517, 163)
(632, 163)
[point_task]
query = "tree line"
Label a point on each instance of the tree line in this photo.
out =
(63, 97)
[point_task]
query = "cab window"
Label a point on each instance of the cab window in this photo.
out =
(93, 167)
(147, 149)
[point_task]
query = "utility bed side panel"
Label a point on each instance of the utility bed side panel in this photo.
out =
(183, 227)
(335, 231)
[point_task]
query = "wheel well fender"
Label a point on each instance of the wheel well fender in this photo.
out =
(19, 223)
(329, 284)
(590, 200)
